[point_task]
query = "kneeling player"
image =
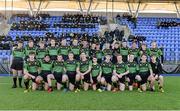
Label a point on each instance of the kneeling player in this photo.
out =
(46, 68)
(119, 72)
(145, 74)
(96, 73)
(133, 70)
(84, 70)
(107, 70)
(156, 68)
(31, 68)
(58, 74)
(71, 66)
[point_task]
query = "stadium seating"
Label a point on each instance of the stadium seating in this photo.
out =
(168, 38)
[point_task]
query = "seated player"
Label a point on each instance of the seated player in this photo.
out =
(58, 74)
(31, 69)
(17, 64)
(156, 68)
(84, 70)
(71, 66)
(45, 69)
(53, 50)
(119, 73)
(96, 74)
(107, 71)
(133, 71)
(145, 74)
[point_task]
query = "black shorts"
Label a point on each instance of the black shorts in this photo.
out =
(58, 77)
(34, 74)
(44, 75)
(144, 76)
(17, 64)
(71, 77)
(108, 78)
(95, 81)
(53, 57)
(122, 79)
(99, 61)
(87, 78)
(132, 76)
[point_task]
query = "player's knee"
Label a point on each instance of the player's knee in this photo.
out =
(78, 77)
(114, 79)
(138, 78)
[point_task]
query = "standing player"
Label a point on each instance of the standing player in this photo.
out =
(71, 66)
(96, 73)
(30, 48)
(119, 73)
(145, 74)
(154, 50)
(107, 71)
(107, 49)
(156, 68)
(134, 51)
(64, 49)
(84, 70)
(17, 63)
(144, 50)
(115, 52)
(75, 48)
(31, 69)
(99, 54)
(58, 74)
(133, 71)
(41, 51)
(46, 66)
(53, 50)
(124, 51)
(85, 47)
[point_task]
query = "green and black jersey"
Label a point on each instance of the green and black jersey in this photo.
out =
(134, 52)
(124, 51)
(121, 68)
(41, 53)
(96, 69)
(30, 49)
(86, 51)
(32, 66)
(107, 68)
(133, 67)
(71, 66)
(144, 52)
(53, 51)
(144, 67)
(46, 66)
(58, 67)
(18, 53)
(155, 51)
(64, 50)
(99, 54)
(84, 65)
(75, 50)
(107, 51)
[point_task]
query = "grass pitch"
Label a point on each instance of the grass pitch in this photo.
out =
(16, 99)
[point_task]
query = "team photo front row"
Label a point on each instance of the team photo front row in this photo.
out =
(72, 74)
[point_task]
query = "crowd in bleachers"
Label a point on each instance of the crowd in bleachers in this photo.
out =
(167, 24)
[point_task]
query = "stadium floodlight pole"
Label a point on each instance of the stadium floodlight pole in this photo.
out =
(112, 9)
(5, 9)
(177, 10)
(81, 10)
(107, 10)
(39, 7)
(30, 7)
(137, 11)
(12, 5)
(89, 8)
(129, 8)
